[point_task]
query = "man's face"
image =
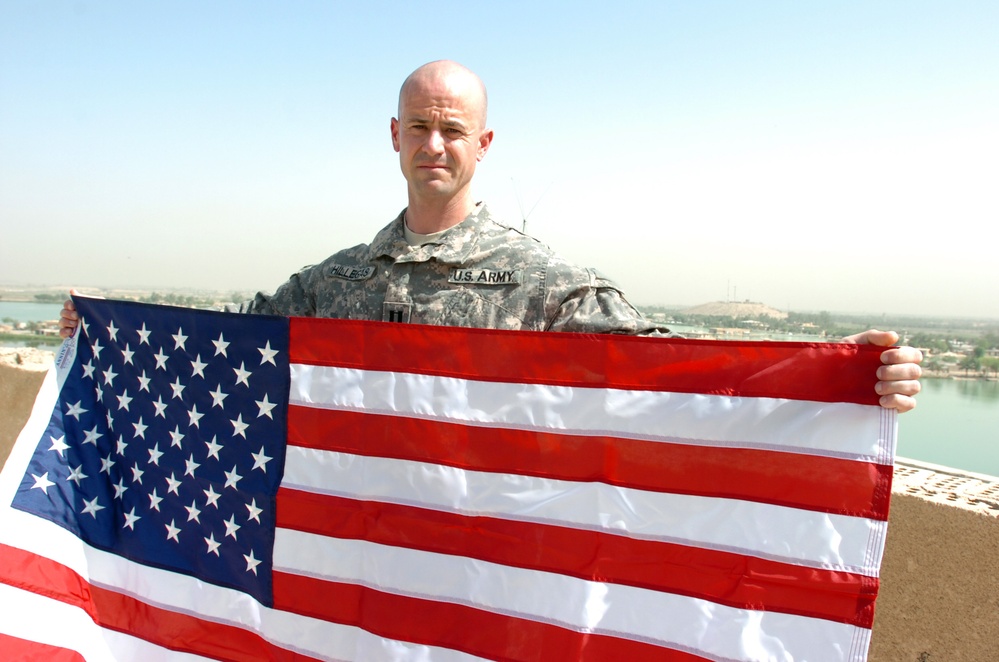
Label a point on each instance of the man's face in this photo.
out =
(440, 136)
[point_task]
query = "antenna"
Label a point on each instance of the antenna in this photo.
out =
(523, 216)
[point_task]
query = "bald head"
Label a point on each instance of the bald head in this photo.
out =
(457, 79)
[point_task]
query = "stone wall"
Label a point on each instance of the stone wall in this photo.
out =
(939, 597)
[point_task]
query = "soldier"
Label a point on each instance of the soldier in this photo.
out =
(445, 261)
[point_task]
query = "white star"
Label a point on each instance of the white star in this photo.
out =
(109, 376)
(154, 501)
(140, 429)
(76, 474)
(121, 446)
(239, 427)
(191, 466)
(120, 488)
(127, 355)
(91, 507)
(112, 331)
(213, 547)
(58, 444)
(172, 485)
(155, 454)
(86, 326)
(130, 519)
(175, 437)
(251, 563)
(92, 436)
(172, 531)
(99, 394)
(213, 447)
(42, 482)
(144, 382)
(106, 464)
(212, 496)
(242, 375)
(195, 415)
(265, 407)
(96, 347)
(123, 400)
(220, 346)
(260, 460)
(267, 354)
(160, 407)
(161, 359)
(231, 478)
(218, 396)
(137, 474)
(179, 339)
(254, 511)
(231, 527)
(178, 388)
(76, 409)
(110, 419)
(88, 368)
(197, 367)
(143, 334)
(193, 512)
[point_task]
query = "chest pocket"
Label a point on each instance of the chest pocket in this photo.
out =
(493, 308)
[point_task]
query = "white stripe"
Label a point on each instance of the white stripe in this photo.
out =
(186, 595)
(820, 540)
(30, 616)
(691, 624)
(832, 429)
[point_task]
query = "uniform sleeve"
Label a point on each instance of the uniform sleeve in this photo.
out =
(592, 303)
(293, 299)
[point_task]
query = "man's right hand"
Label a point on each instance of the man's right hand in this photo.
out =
(69, 319)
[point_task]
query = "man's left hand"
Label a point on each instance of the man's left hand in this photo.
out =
(898, 378)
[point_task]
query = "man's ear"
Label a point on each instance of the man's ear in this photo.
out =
(485, 140)
(394, 126)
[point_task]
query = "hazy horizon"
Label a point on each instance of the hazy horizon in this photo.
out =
(810, 157)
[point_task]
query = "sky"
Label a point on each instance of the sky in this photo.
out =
(808, 155)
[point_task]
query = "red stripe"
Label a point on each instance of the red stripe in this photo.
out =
(15, 649)
(736, 580)
(468, 629)
(810, 482)
(802, 371)
(121, 613)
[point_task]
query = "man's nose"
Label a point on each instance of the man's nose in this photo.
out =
(434, 144)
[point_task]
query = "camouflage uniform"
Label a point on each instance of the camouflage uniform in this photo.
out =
(477, 274)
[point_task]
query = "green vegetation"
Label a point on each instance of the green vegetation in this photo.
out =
(953, 347)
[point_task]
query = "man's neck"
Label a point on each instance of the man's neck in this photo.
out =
(428, 217)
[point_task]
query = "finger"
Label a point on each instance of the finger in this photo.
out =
(873, 337)
(901, 355)
(898, 387)
(889, 373)
(900, 403)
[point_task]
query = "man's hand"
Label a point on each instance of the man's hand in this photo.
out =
(69, 319)
(898, 378)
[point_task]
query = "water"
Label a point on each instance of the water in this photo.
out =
(29, 312)
(956, 423)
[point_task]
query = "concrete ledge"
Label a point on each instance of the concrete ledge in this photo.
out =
(939, 598)
(21, 375)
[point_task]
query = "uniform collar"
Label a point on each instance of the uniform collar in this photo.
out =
(452, 247)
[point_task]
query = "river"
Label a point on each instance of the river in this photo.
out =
(956, 423)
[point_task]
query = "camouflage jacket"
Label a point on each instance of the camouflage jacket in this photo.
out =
(477, 274)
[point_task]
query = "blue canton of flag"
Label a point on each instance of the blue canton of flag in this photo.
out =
(168, 443)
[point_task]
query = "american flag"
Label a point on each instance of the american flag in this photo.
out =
(255, 488)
